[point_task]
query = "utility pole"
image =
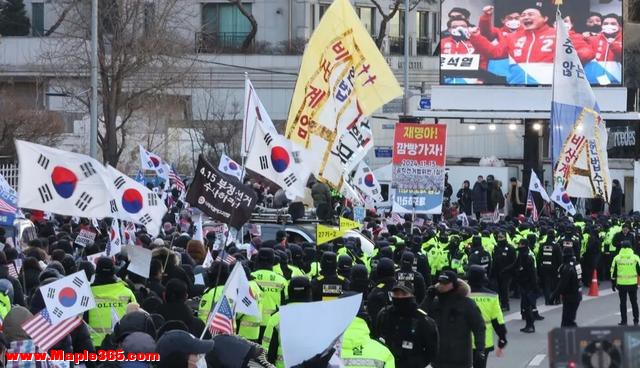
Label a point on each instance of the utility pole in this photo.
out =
(406, 58)
(93, 129)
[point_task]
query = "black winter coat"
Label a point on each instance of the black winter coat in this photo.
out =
(480, 197)
(465, 199)
(458, 319)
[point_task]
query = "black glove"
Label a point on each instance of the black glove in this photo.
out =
(502, 343)
(613, 285)
(479, 355)
(318, 361)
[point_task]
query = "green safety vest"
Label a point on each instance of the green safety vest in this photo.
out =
(116, 295)
(488, 244)
(273, 325)
(360, 351)
(626, 262)
(295, 271)
(272, 286)
(208, 301)
(314, 270)
(489, 306)
(5, 305)
(609, 238)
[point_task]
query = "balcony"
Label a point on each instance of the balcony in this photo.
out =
(210, 42)
(424, 46)
(396, 45)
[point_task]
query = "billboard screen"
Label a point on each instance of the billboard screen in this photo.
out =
(512, 42)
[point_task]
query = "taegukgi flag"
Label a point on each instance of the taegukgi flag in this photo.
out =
(68, 297)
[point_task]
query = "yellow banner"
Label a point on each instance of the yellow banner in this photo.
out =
(327, 233)
(342, 80)
(346, 224)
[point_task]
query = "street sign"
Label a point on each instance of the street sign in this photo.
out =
(425, 103)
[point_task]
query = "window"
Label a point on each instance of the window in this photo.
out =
(323, 9)
(37, 19)
(367, 16)
(422, 21)
(224, 24)
(149, 17)
(396, 25)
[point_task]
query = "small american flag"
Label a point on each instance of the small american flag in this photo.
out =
(222, 321)
(496, 215)
(397, 219)
(6, 207)
(46, 335)
(175, 178)
(531, 206)
(13, 272)
(226, 258)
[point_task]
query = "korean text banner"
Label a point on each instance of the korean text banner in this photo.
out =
(8, 203)
(513, 41)
(419, 158)
(343, 79)
(220, 196)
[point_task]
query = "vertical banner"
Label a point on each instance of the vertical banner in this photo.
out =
(419, 158)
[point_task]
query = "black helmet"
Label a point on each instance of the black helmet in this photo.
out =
(344, 263)
(385, 268)
(328, 262)
(406, 261)
(299, 289)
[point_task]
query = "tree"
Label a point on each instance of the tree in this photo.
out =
(141, 56)
(386, 18)
(248, 40)
(13, 19)
(18, 121)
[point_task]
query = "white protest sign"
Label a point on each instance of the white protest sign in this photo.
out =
(85, 237)
(140, 260)
(327, 320)
(199, 279)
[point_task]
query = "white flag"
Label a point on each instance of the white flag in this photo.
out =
(208, 260)
(134, 202)
(238, 292)
(351, 194)
(198, 235)
(228, 166)
(94, 223)
(367, 183)
(274, 157)
(114, 246)
(254, 113)
(151, 161)
(61, 182)
(114, 318)
(561, 197)
(129, 234)
(536, 186)
(68, 297)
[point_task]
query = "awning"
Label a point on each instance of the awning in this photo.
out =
(511, 115)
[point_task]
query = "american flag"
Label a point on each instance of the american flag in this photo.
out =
(6, 207)
(496, 215)
(397, 219)
(226, 258)
(531, 206)
(222, 321)
(46, 335)
(175, 178)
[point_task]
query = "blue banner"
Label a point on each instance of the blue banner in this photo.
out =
(8, 203)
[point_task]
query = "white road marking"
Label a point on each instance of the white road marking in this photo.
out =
(537, 360)
(546, 308)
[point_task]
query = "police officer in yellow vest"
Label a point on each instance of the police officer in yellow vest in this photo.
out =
(625, 269)
(109, 293)
(6, 297)
(329, 285)
(273, 285)
(299, 291)
(215, 278)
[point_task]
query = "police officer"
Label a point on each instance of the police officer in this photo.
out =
(272, 285)
(329, 285)
(110, 294)
(503, 256)
(525, 274)
(406, 330)
(624, 235)
(549, 260)
(489, 305)
(478, 255)
(406, 274)
(625, 268)
(359, 281)
(6, 297)
(379, 294)
(569, 287)
(345, 263)
(299, 291)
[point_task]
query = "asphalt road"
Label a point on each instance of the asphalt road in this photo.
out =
(530, 350)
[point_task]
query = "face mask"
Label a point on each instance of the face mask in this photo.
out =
(502, 242)
(512, 24)
(594, 28)
(404, 305)
(610, 29)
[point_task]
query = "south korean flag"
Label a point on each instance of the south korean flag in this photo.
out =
(60, 182)
(115, 240)
(132, 201)
(366, 182)
(68, 297)
(274, 157)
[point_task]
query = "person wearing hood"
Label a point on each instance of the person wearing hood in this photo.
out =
(171, 267)
(179, 349)
(19, 341)
(569, 288)
(489, 305)
(479, 256)
(503, 257)
(525, 273)
(299, 291)
(458, 319)
(406, 330)
(549, 260)
(175, 307)
(345, 264)
(329, 285)
(273, 285)
(379, 295)
(407, 274)
(110, 294)
(625, 269)
(359, 281)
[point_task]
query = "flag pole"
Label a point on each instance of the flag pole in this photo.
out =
(551, 125)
